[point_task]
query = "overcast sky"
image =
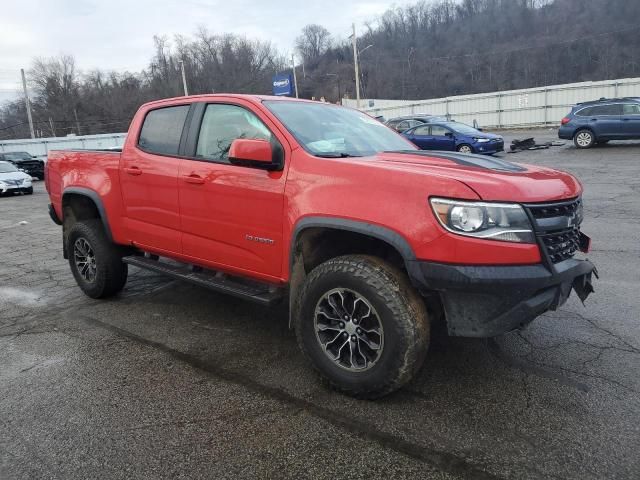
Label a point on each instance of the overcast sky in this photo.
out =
(118, 34)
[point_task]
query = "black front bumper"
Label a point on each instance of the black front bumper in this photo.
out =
(485, 301)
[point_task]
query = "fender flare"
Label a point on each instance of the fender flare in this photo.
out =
(385, 234)
(97, 201)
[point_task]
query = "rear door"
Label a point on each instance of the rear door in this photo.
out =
(631, 120)
(231, 215)
(421, 137)
(442, 138)
(605, 120)
(149, 179)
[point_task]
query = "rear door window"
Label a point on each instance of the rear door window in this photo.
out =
(607, 110)
(423, 130)
(162, 129)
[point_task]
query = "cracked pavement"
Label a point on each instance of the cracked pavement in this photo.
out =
(169, 380)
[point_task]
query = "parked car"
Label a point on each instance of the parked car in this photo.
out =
(13, 180)
(400, 124)
(454, 136)
(32, 165)
(273, 199)
(597, 122)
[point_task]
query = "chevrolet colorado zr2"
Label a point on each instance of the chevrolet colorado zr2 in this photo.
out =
(370, 240)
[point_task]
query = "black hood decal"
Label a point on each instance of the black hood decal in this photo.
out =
(468, 160)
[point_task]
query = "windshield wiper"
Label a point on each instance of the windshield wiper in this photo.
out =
(336, 155)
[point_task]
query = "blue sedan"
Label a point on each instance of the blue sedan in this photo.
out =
(455, 137)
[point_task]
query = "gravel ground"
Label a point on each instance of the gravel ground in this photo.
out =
(172, 381)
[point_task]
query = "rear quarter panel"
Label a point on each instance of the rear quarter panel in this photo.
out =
(93, 170)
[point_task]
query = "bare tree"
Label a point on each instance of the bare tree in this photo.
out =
(314, 41)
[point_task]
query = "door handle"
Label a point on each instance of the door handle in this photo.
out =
(594, 119)
(133, 171)
(195, 179)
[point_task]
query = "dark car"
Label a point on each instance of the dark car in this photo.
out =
(25, 161)
(591, 123)
(454, 136)
(400, 124)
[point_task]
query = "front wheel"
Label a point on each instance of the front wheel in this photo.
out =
(584, 139)
(96, 263)
(29, 191)
(464, 148)
(362, 326)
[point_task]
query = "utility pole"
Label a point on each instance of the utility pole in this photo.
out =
(184, 78)
(295, 78)
(75, 114)
(27, 104)
(355, 64)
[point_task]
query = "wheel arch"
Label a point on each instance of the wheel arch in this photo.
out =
(88, 199)
(331, 224)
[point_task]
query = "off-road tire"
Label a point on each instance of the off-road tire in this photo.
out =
(579, 138)
(400, 309)
(111, 272)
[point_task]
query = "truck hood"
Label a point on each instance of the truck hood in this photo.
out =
(490, 177)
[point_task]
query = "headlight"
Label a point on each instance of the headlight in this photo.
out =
(482, 140)
(506, 222)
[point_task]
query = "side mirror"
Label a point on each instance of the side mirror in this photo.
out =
(251, 152)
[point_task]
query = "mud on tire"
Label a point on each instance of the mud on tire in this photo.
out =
(400, 313)
(96, 263)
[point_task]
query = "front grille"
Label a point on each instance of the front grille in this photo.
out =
(561, 245)
(557, 226)
(564, 209)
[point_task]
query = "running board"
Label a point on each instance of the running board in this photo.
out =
(261, 293)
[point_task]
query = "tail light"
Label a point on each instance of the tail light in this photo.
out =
(565, 120)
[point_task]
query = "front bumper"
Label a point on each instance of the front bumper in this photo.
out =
(489, 147)
(485, 301)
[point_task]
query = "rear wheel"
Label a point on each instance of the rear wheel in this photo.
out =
(464, 148)
(96, 263)
(362, 325)
(584, 139)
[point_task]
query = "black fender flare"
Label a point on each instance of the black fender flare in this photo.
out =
(385, 234)
(97, 201)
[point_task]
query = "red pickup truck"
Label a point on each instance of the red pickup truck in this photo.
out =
(371, 241)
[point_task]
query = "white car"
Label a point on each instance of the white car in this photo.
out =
(13, 180)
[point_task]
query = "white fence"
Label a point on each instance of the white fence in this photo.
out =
(508, 109)
(41, 146)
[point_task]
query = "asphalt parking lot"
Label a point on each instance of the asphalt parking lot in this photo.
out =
(172, 381)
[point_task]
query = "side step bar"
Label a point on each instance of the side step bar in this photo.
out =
(261, 293)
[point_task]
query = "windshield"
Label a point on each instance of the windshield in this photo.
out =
(464, 129)
(331, 131)
(6, 167)
(17, 156)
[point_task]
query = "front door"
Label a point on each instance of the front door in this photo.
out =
(631, 120)
(149, 180)
(232, 216)
(442, 138)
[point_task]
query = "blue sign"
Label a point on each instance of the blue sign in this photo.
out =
(283, 85)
